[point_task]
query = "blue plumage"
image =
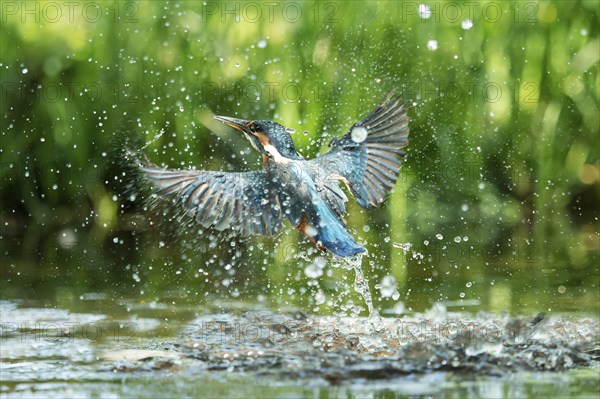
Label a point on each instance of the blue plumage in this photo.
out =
(332, 234)
(366, 159)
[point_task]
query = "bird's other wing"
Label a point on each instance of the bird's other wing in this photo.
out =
(368, 157)
(244, 202)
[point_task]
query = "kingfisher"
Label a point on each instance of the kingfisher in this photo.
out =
(367, 159)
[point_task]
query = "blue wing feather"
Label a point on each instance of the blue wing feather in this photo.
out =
(244, 202)
(369, 167)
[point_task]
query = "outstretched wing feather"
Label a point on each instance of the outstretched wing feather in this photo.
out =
(370, 168)
(243, 202)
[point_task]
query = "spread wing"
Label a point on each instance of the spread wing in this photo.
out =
(244, 202)
(367, 158)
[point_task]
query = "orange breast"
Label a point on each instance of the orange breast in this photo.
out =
(302, 228)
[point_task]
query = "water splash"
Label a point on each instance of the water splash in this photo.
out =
(361, 284)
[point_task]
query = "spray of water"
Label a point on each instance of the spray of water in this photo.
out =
(361, 285)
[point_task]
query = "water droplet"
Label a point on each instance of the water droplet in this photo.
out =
(359, 134)
(432, 45)
(424, 11)
(388, 287)
(320, 297)
(466, 24)
(315, 269)
(405, 246)
(439, 236)
(262, 44)
(457, 239)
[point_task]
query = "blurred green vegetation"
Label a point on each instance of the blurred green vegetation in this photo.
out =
(499, 196)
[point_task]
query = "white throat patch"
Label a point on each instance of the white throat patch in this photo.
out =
(277, 157)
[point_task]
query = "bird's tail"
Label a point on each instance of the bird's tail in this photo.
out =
(332, 234)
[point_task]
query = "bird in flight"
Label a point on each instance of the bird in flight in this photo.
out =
(366, 159)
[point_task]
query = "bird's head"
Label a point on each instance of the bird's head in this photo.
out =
(268, 137)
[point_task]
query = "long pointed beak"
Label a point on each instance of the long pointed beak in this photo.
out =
(239, 124)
